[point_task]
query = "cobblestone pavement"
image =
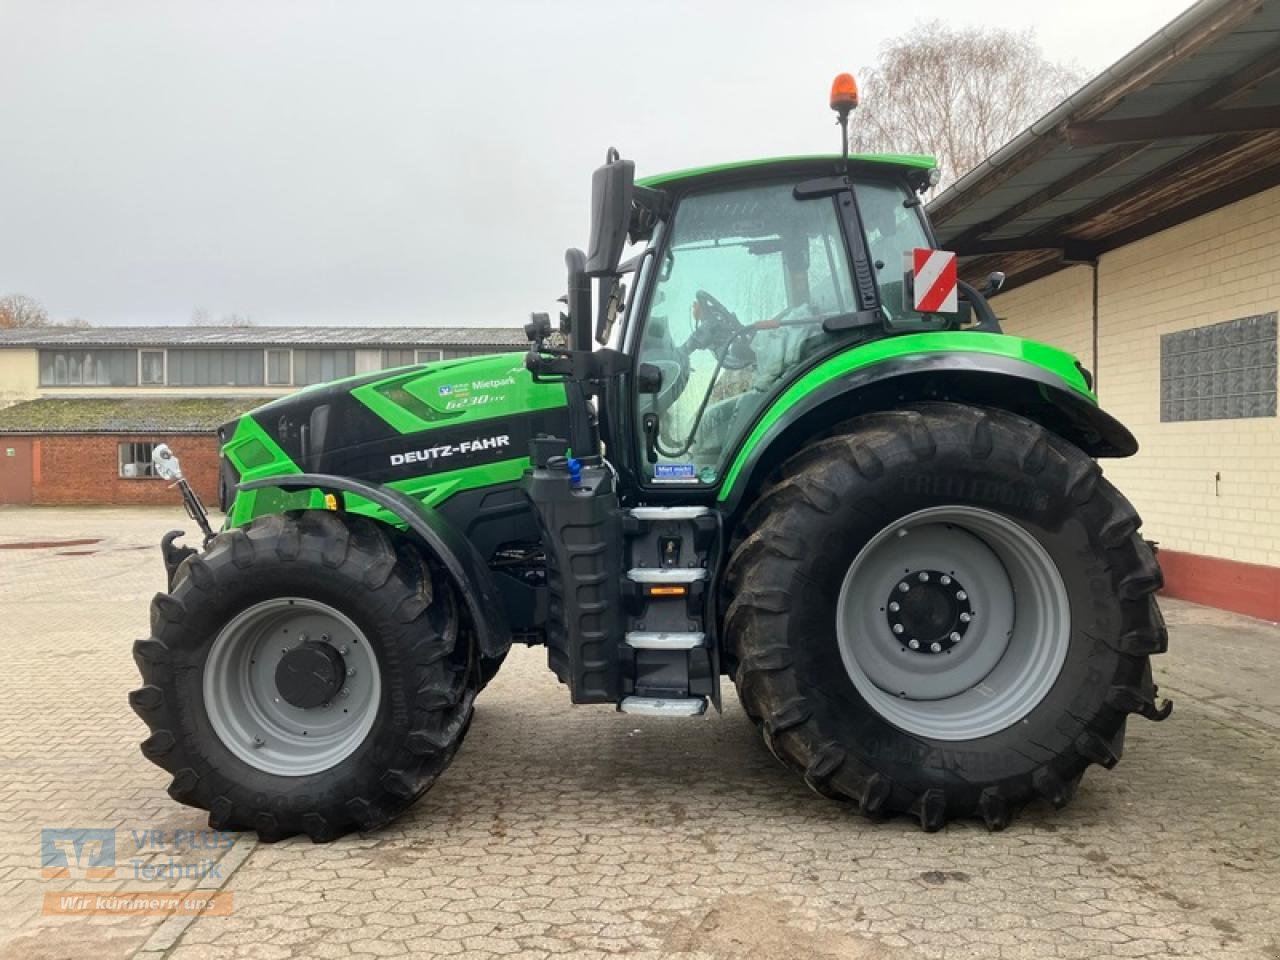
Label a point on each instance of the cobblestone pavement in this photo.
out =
(579, 832)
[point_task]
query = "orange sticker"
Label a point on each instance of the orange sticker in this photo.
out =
(139, 903)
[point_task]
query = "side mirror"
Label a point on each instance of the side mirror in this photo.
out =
(995, 281)
(611, 189)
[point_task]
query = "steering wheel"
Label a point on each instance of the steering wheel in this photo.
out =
(716, 328)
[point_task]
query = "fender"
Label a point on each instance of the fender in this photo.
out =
(1010, 377)
(460, 558)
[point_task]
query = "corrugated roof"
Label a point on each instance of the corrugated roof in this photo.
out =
(1187, 122)
(445, 337)
(109, 415)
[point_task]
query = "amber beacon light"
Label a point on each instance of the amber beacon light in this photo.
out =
(844, 93)
(844, 98)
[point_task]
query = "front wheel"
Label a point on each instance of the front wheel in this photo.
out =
(306, 675)
(943, 611)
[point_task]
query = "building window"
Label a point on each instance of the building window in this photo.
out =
(135, 460)
(88, 368)
(215, 368)
(279, 372)
(320, 366)
(460, 352)
(1224, 371)
(152, 368)
(429, 356)
(397, 358)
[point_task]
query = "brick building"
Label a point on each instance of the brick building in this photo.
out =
(1139, 227)
(82, 410)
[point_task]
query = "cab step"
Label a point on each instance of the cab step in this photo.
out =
(665, 575)
(664, 706)
(669, 513)
(650, 640)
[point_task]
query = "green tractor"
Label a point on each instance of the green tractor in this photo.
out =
(746, 451)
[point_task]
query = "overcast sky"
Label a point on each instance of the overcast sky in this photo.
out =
(402, 162)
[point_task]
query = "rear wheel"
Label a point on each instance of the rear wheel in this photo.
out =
(306, 675)
(943, 611)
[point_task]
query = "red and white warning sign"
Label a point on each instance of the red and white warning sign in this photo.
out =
(933, 280)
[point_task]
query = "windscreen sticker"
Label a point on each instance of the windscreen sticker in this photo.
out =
(674, 473)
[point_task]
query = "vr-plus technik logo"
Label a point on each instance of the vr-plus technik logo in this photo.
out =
(83, 852)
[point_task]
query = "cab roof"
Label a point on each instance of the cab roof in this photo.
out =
(905, 163)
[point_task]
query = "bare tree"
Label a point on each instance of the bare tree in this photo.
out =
(18, 311)
(958, 94)
(200, 317)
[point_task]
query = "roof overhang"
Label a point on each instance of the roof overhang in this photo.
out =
(1186, 123)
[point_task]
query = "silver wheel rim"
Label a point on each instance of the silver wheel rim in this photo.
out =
(960, 680)
(246, 709)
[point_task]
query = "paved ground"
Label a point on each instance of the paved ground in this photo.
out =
(580, 832)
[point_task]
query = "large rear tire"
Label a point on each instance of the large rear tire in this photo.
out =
(943, 611)
(306, 675)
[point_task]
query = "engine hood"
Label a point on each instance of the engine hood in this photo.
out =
(402, 423)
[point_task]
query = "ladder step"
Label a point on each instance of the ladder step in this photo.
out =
(669, 513)
(662, 707)
(666, 574)
(643, 640)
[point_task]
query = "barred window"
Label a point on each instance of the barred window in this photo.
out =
(135, 460)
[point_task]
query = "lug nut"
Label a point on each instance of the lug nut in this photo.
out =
(904, 586)
(324, 638)
(894, 606)
(897, 628)
(946, 581)
(935, 647)
(961, 595)
(345, 692)
(351, 672)
(258, 742)
(913, 644)
(966, 617)
(342, 651)
(924, 577)
(955, 636)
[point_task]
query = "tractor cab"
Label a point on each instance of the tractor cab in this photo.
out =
(748, 274)
(752, 275)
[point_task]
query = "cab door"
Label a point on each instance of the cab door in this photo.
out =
(742, 288)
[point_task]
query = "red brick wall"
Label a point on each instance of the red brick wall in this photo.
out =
(85, 470)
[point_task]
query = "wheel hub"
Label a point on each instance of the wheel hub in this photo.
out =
(310, 674)
(928, 611)
(291, 686)
(906, 643)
